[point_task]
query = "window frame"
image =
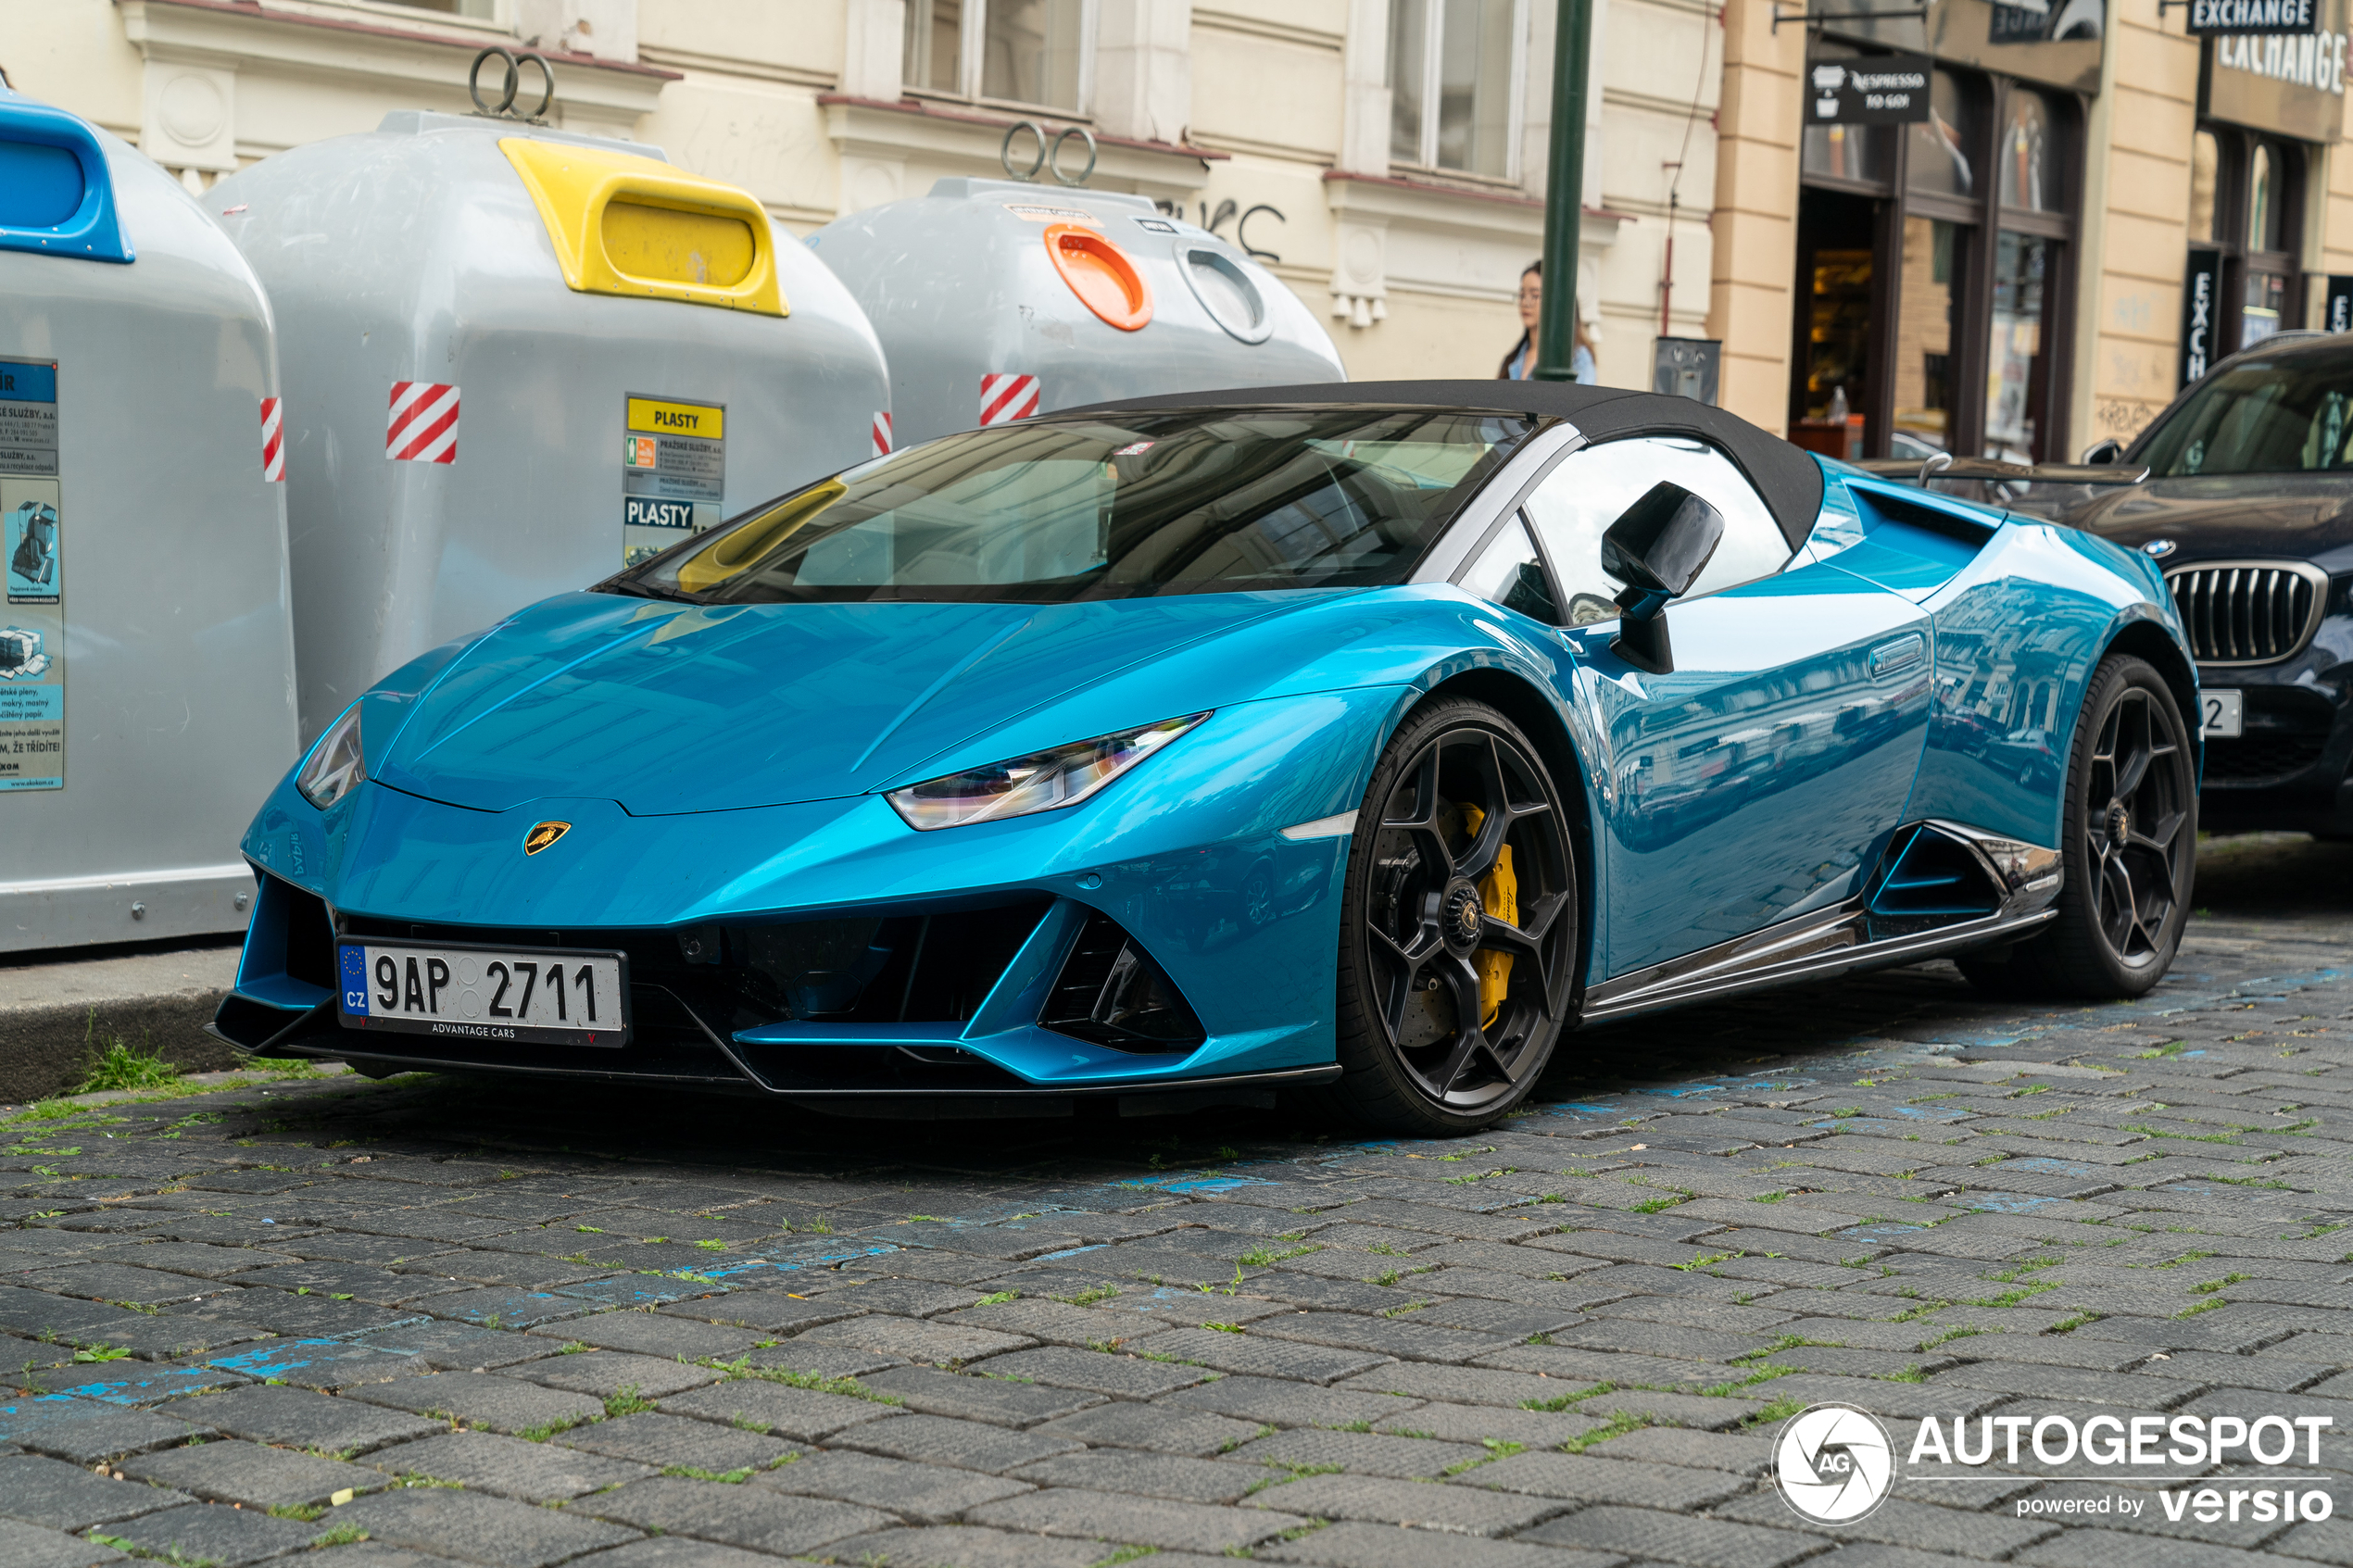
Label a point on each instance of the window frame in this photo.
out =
(972, 62)
(1557, 578)
(1984, 219)
(1433, 73)
(2234, 149)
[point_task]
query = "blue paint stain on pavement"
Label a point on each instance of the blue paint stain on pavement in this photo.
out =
(140, 1386)
(647, 1290)
(1192, 1182)
(736, 1274)
(23, 1418)
(2044, 1165)
(280, 1357)
(2002, 1202)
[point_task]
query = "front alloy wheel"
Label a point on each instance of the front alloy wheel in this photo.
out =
(1458, 928)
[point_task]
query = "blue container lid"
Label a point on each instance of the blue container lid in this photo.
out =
(56, 196)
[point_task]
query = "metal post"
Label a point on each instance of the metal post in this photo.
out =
(1564, 192)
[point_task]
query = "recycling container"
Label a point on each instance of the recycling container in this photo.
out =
(147, 663)
(517, 359)
(997, 299)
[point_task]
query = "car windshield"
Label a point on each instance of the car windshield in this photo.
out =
(2290, 413)
(1111, 506)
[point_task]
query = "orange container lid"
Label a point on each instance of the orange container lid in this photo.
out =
(1100, 273)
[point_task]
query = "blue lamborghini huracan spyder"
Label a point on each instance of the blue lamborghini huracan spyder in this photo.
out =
(1359, 739)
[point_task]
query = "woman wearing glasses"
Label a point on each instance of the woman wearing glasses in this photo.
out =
(1520, 363)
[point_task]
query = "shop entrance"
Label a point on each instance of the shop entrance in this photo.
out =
(1932, 275)
(1831, 396)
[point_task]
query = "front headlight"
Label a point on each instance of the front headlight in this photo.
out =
(1044, 781)
(335, 766)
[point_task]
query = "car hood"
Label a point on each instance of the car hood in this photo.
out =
(2228, 516)
(672, 708)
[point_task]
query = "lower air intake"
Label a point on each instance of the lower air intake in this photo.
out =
(1110, 993)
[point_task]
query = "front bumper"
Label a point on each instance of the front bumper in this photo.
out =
(2288, 770)
(977, 986)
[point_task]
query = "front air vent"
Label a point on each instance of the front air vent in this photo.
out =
(2249, 611)
(1111, 993)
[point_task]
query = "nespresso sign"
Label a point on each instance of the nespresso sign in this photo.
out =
(2210, 18)
(1871, 90)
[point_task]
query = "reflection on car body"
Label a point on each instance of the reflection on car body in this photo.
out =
(1356, 740)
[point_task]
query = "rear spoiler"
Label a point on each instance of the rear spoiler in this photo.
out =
(1944, 466)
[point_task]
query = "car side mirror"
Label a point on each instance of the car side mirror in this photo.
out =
(2108, 451)
(1658, 548)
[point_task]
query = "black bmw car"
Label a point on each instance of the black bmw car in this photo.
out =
(2248, 505)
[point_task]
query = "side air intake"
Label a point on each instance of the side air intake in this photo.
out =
(1930, 878)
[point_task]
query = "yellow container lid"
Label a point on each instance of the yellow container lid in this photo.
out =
(634, 226)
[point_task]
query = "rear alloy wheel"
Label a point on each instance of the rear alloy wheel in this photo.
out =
(2128, 845)
(1458, 929)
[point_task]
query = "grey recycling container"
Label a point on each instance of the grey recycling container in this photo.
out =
(517, 359)
(996, 299)
(147, 663)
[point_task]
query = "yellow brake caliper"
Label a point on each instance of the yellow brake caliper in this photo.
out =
(1499, 893)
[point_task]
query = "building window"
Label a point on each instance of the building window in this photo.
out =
(1453, 79)
(474, 10)
(1025, 52)
(2246, 203)
(1932, 275)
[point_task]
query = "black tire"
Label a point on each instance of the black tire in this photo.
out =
(2128, 844)
(1418, 931)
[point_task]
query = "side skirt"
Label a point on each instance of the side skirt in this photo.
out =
(1819, 949)
(1940, 887)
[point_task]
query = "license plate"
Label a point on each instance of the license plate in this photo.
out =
(2224, 713)
(514, 995)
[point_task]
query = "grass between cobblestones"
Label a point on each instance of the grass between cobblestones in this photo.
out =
(516, 1325)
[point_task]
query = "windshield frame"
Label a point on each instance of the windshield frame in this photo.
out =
(2193, 400)
(637, 580)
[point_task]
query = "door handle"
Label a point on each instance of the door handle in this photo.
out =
(1900, 654)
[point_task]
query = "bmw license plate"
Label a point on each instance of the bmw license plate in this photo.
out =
(2222, 714)
(514, 995)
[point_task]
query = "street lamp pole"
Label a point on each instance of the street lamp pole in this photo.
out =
(1564, 192)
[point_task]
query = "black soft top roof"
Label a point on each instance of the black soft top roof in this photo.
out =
(1787, 476)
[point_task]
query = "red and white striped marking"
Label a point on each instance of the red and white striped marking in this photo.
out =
(274, 441)
(882, 433)
(1006, 398)
(422, 426)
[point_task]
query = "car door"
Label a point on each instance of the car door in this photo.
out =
(1759, 779)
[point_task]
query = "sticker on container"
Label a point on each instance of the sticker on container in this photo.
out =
(420, 423)
(673, 472)
(274, 441)
(32, 673)
(1037, 214)
(1007, 398)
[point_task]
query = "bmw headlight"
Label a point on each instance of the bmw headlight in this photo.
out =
(335, 766)
(1044, 781)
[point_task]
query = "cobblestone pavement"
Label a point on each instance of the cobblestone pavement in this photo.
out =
(513, 1324)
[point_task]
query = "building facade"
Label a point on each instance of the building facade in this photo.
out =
(2093, 208)
(2090, 207)
(1384, 158)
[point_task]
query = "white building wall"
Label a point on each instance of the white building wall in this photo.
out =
(1267, 120)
